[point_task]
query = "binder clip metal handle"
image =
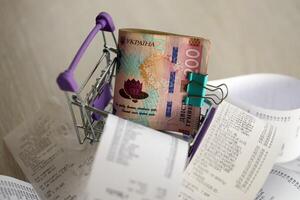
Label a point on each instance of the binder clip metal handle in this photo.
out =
(65, 80)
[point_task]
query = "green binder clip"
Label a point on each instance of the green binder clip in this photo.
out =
(196, 89)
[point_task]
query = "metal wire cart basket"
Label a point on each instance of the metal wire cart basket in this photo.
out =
(90, 102)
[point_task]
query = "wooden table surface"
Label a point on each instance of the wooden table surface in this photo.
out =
(38, 39)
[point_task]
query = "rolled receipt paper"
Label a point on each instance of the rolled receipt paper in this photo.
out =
(151, 78)
(135, 162)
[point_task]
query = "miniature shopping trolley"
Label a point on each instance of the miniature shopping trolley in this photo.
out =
(90, 109)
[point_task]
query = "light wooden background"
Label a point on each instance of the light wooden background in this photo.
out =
(38, 39)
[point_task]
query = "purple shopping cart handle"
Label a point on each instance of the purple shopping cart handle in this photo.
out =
(65, 80)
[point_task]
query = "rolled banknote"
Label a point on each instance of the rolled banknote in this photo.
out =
(151, 78)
